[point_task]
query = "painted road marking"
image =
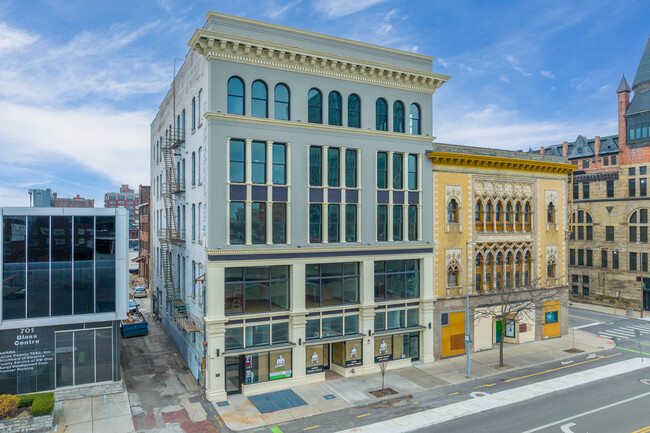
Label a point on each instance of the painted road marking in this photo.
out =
(584, 318)
(566, 428)
(560, 368)
(635, 351)
(309, 428)
(587, 325)
(453, 393)
(276, 430)
(483, 386)
(643, 430)
(361, 416)
(438, 415)
(589, 412)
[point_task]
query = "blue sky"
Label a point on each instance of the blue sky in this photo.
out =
(80, 81)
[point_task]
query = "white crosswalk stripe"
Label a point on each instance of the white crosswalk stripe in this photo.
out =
(624, 332)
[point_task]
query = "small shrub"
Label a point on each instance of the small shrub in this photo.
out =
(43, 404)
(25, 400)
(8, 405)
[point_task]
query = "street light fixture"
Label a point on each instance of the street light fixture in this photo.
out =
(467, 336)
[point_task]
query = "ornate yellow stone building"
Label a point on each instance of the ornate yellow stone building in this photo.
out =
(508, 212)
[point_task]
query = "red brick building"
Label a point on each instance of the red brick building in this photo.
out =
(144, 233)
(73, 202)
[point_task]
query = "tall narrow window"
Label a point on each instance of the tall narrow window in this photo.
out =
(413, 222)
(610, 188)
(198, 109)
(237, 165)
(397, 223)
(258, 223)
(259, 107)
(282, 105)
(413, 171)
(632, 187)
(550, 213)
(236, 96)
(315, 223)
(398, 173)
(279, 164)
(382, 222)
(452, 211)
(351, 168)
(350, 222)
(382, 170)
(643, 187)
(193, 169)
(381, 114)
(585, 190)
(258, 162)
(237, 223)
(333, 222)
(315, 106)
(333, 166)
(193, 113)
(398, 116)
(354, 111)
(193, 222)
(334, 109)
(279, 223)
(414, 119)
(198, 166)
(315, 166)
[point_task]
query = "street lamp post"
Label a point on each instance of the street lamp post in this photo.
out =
(641, 270)
(467, 335)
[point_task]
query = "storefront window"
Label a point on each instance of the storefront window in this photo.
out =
(234, 338)
(332, 326)
(258, 335)
(331, 284)
(280, 332)
(257, 289)
(353, 353)
(312, 329)
(383, 348)
(314, 361)
(397, 279)
(351, 324)
(399, 346)
(280, 364)
(256, 367)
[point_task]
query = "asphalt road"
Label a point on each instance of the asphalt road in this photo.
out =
(615, 405)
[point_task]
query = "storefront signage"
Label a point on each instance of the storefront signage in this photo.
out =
(315, 364)
(510, 329)
(280, 369)
(550, 317)
(353, 363)
(26, 352)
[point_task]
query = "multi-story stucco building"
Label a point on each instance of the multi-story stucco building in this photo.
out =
(292, 200)
(608, 250)
(506, 210)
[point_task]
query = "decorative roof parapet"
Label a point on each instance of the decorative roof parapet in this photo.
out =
(215, 45)
(499, 162)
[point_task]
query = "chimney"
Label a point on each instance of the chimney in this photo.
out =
(542, 151)
(597, 148)
(623, 93)
(565, 149)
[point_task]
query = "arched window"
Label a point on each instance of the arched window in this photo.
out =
(528, 216)
(198, 109)
(499, 271)
(527, 269)
(452, 211)
(498, 217)
(583, 229)
(551, 268)
(236, 96)
(259, 106)
(354, 111)
(193, 113)
(193, 222)
(452, 274)
(381, 110)
(334, 109)
(415, 119)
(478, 216)
(508, 216)
(315, 106)
(488, 271)
(282, 105)
(478, 272)
(638, 226)
(198, 221)
(398, 116)
(193, 168)
(518, 263)
(198, 169)
(508, 271)
(489, 222)
(183, 223)
(518, 217)
(550, 214)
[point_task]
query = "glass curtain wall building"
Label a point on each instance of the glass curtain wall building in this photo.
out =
(64, 290)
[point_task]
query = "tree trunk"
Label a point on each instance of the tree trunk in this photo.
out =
(503, 336)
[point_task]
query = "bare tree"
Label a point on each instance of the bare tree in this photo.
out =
(382, 368)
(507, 303)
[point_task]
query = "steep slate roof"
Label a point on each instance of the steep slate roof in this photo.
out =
(643, 72)
(583, 148)
(623, 86)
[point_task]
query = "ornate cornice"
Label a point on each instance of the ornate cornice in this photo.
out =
(215, 45)
(318, 126)
(499, 163)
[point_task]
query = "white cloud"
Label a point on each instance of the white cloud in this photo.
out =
(411, 48)
(515, 65)
(547, 74)
(275, 11)
(603, 88)
(13, 197)
(14, 39)
(340, 8)
(504, 78)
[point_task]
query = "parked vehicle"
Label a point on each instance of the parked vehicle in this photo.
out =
(135, 324)
(140, 292)
(133, 306)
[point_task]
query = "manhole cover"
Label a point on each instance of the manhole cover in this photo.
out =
(479, 394)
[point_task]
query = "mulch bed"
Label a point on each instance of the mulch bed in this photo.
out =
(383, 392)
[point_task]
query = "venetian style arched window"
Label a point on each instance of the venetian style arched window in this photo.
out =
(499, 271)
(527, 217)
(398, 116)
(527, 269)
(583, 229)
(282, 104)
(489, 262)
(236, 96)
(478, 272)
(551, 268)
(478, 216)
(550, 213)
(638, 226)
(315, 106)
(354, 111)
(452, 211)
(508, 217)
(452, 273)
(489, 221)
(518, 217)
(508, 270)
(498, 217)
(381, 114)
(334, 109)
(259, 100)
(415, 119)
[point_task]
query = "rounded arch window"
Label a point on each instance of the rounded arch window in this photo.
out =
(236, 96)
(398, 116)
(354, 111)
(315, 106)
(583, 229)
(282, 104)
(381, 117)
(550, 213)
(334, 109)
(414, 119)
(638, 226)
(452, 211)
(259, 100)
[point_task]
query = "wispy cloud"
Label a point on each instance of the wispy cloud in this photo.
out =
(275, 10)
(515, 65)
(340, 8)
(547, 74)
(504, 78)
(14, 39)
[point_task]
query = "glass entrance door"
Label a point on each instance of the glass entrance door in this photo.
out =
(234, 369)
(326, 356)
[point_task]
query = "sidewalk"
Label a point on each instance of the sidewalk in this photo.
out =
(239, 413)
(609, 310)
